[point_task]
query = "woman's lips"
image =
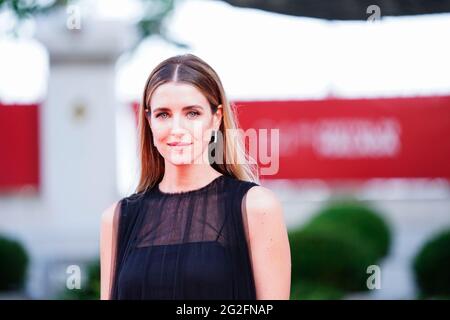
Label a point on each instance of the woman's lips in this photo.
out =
(179, 144)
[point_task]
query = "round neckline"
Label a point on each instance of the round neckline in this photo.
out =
(190, 191)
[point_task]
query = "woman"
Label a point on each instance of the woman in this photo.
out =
(199, 226)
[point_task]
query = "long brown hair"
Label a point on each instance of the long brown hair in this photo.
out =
(188, 68)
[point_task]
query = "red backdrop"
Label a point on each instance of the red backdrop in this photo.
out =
(326, 139)
(19, 145)
(357, 138)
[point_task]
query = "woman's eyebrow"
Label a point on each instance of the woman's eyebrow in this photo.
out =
(184, 108)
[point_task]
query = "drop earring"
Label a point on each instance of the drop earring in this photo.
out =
(212, 147)
(214, 136)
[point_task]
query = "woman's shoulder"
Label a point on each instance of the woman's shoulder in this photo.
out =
(132, 198)
(116, 206)
(260, 199)
(254, 195)
(109, 214)
(236, 183)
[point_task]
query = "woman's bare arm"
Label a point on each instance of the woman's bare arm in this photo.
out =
(269, 243)
(107, 249)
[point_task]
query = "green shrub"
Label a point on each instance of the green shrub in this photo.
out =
(432, 267)
(330, 258)
(332, 251)
(314, 291)
(90, 290)
(363, 222)
(13, 264)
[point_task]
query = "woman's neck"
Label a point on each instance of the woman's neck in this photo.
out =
(185, 178)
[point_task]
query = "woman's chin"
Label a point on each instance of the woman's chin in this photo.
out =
(181, 159)
(186, 156)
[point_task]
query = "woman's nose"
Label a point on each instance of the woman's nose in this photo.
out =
(177, 123)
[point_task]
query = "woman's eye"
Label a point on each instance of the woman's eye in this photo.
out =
(161, 115)
(193, 114)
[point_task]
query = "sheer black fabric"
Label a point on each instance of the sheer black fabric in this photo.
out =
(186, 245)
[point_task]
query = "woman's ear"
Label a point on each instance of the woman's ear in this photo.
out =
(218, 116)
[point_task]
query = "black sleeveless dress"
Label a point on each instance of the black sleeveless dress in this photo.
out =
(182, 246)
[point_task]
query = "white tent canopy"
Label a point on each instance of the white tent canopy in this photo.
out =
(261, 55)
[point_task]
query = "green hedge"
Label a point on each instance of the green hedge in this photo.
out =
(362, 221)
(329, 258)
(330, 254)
(13, 264)
(432, 267)
(313, 291)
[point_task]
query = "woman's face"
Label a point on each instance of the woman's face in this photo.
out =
(181, 114)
